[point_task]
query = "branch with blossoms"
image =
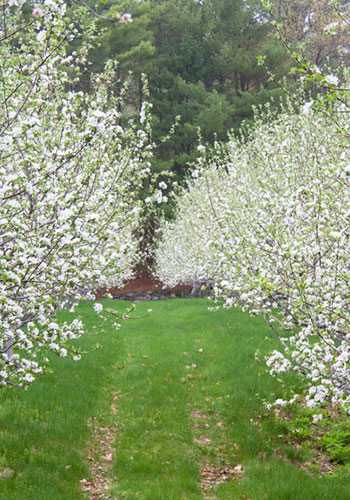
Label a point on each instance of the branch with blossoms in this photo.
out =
(124, 18)
(269, 223)
(110, 317)
(310, 75)
(69, 178)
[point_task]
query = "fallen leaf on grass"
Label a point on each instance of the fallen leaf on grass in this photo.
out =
(202, 440)
(213, 475)
(6, 472)
(108, 457)
(193, 366)
(198, 414)
(238, 470)
(116, 367)
(87, 485)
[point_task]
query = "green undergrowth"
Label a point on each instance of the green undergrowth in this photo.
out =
(189, 421)
(327, 439)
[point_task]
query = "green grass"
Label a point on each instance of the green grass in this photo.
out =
(159, 446)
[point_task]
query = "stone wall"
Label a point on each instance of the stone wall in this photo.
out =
(198, 290)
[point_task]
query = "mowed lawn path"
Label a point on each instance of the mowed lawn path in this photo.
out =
(170, 408)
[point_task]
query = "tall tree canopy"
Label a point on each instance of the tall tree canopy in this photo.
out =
(200, 59)
(309, 22)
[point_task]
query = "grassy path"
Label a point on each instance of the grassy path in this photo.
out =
(166, 410)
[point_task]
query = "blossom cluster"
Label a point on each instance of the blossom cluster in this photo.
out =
(69, 177)
(268, 223)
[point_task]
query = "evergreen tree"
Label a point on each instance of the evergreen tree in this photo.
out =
(200, 58)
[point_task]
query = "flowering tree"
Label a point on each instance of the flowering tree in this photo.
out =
(184, 253)
(69, 175)
(303, 26)
(323, 29)
(271, 227)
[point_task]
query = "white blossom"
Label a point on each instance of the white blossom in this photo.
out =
(38, 12)
(307, 108)
(16, 3)
(41, 36)
(98, 307)
(126, 18)
(331, 79)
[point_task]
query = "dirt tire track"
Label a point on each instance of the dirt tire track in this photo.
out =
(100, 456)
